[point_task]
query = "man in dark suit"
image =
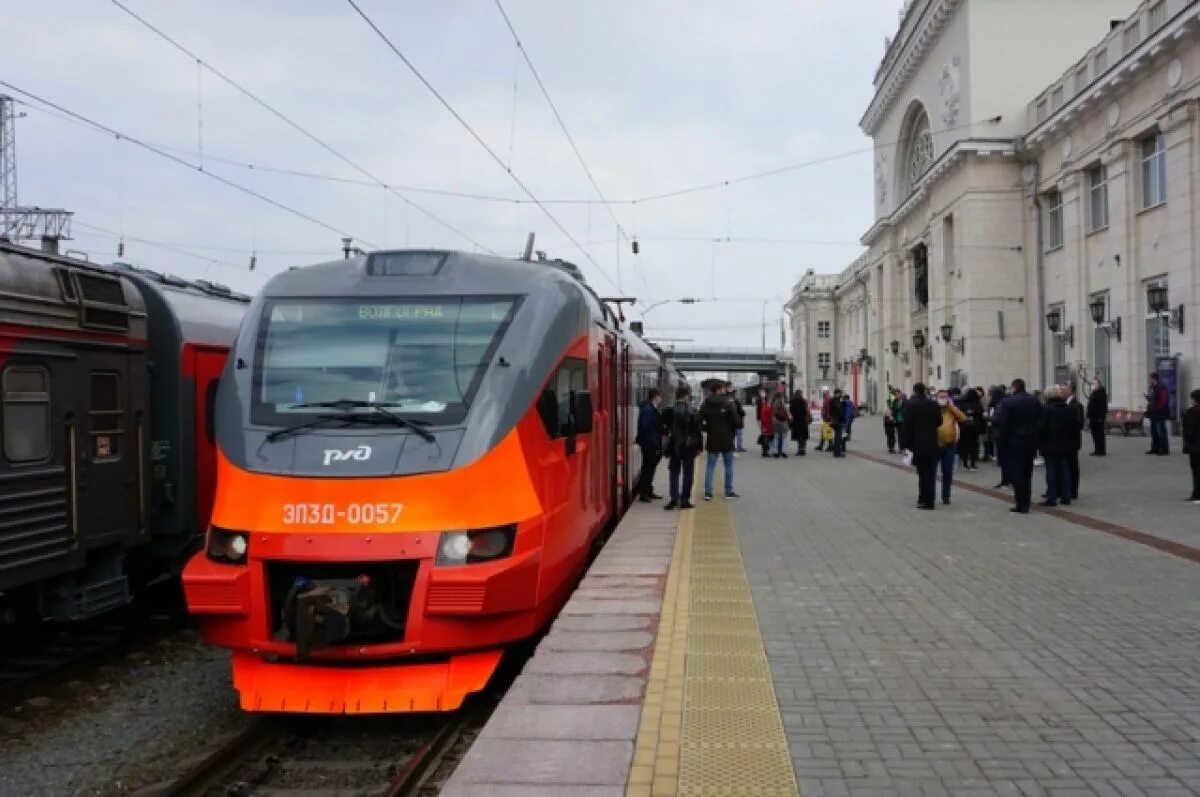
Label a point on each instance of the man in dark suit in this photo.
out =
(919, 434)
(1097, 411)
(1080, 419)
(1017, 418)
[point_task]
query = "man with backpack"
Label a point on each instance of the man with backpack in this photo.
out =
(682, 445)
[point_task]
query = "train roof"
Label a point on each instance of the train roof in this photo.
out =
(207, 313)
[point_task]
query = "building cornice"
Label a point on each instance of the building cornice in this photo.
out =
(957, 152)
(1116, 79)
(932, 22)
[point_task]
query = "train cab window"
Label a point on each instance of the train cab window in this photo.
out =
(26, 414)
(554, 406)
(210, 410)
(104, 415)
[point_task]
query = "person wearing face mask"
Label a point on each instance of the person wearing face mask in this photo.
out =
(948, 436)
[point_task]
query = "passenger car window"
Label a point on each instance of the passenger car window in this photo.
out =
(104, 415)
(26, 414)
(554, 406)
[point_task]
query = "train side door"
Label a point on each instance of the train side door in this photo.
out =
(111, 449)
(207, 368)
(623, 436)
(612, 465)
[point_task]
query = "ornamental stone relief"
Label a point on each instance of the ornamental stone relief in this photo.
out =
(881, 177)
(951, 84)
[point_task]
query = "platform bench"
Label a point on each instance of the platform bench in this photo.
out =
(1124, 421)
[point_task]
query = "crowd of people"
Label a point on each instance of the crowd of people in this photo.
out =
(950, 428)
(1019, 431)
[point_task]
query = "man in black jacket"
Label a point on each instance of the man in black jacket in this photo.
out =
(719, 420)
(1097, 411)
(1079, 417)
(1018, 418)
(682, 444)
(649, 440)
(919, 434)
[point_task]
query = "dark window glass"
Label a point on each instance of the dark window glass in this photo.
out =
(210, 410)
(104, 414)
(26, 414)
(554, 406)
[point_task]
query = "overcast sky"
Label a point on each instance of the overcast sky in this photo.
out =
(658, 96)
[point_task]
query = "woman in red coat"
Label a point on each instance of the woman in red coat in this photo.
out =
(765, 423)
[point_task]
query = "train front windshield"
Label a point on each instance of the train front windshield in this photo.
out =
(421, 357)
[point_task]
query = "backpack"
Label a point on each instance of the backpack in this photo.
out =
(779, 412)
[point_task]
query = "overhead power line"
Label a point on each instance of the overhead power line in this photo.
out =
(478, 139)
(297, 126)
(181, 162)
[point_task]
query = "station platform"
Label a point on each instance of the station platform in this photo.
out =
(820, 636)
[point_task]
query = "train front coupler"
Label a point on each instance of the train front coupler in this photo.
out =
(320, 613)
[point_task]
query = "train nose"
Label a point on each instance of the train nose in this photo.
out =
(320, 613)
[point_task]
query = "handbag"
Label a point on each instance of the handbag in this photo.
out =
(907, 459)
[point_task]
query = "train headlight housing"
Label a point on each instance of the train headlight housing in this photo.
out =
(227, 546)
(479, 545)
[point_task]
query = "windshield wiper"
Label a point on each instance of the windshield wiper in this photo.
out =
(381, 413)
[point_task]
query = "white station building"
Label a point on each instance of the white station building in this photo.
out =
(1037, 202)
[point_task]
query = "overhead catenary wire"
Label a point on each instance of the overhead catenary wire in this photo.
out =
(296, 126)
(478, 139)
(180, 161)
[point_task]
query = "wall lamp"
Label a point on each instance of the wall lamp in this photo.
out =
(959, 345)
(1157, 298)
(1099, 308)
(1054, 324)
(895, 347)
(919, 339)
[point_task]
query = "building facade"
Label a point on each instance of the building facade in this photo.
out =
(1035, 194)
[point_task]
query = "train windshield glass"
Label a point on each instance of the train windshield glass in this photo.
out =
(422, 357)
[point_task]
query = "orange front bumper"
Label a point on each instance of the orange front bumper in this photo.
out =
(309, 689)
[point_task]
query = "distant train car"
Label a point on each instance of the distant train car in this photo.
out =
(81, 409)
(416, 452)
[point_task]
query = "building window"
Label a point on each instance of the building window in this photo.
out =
(1097, 180)
(823, 329)
(1100, 63)
(1133, 35)
(26, 414)
(1043, 110)
(824, 359)
(1081, 78)
(948, 252)
(918, 149)
(1056, 98)
(920, 255)
(1158, 15)
(1154, 170)
(1058, 343)
(1054, 220)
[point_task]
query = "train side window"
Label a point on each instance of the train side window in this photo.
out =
(210, 410)
(554, 406)
(104, 415)
(26, 414)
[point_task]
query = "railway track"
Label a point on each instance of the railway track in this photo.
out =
(37, 659)
(377, 756)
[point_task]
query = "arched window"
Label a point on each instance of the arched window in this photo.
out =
(918, 150)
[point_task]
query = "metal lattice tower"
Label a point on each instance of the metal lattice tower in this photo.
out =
(17, 222)
(8, 163)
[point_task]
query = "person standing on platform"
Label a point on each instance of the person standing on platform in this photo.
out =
(948, 437)
(889, 421)
(649, 440)
(849, 413)
(919, 436)
(837, 421)
(1067, 391)
(801, 420)
(739, 438)
(1191, 443)
(1097, 411)
(1158, 409)
(718, 420)
(898, 413)
(1058, 435)
(683, 444)
(1018, 418)
(996, 396)
(781, 423)
(826, 402)
(766, 423)
(968, 443)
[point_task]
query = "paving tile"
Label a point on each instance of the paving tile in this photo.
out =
(550, 763)
(610, 722)
(597, 640)
(546, 688)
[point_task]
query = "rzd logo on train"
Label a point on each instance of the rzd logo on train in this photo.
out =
(360, 453)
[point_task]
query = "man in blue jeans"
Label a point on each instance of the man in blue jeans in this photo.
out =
(719, 422)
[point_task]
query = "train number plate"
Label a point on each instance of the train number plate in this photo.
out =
(334, 514)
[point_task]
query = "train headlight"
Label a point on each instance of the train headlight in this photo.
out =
(480, 545)
(227, 546)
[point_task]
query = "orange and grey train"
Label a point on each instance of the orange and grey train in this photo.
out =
(416, 452)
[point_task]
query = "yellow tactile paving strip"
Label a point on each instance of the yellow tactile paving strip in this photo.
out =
(711, 724)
